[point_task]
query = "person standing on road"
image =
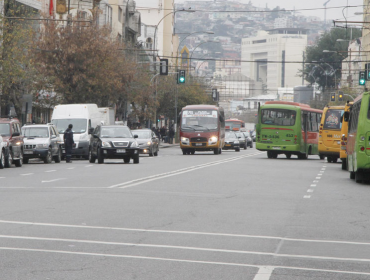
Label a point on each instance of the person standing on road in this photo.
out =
(171, 134)
(68, 142)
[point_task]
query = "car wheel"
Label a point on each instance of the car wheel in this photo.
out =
(126, 159)
(136, 159)
(19, 162)
(58, 157)
(48, 158)
(92, 159)
(9, 159)
(237, 150)
(100, 157)
(2, 159)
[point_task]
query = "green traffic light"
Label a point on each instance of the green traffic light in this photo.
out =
(362, 82)
(182, 79)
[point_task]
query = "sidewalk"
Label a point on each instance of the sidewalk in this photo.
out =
(163, 145)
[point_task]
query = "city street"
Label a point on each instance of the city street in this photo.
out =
(237, 215)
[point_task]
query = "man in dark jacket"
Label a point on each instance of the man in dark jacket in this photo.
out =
(68, 142)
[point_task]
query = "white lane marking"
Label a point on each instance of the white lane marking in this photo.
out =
(324, 166)
(50, 171)
(89, 165)
(175, 172)
(2, 177)
(54, 180)
(181, 260)
(313, 185)
(310, 191)
(26, 174)
(318, 178)
(83, 226)
(307, 196)
(264, 273)
(315, 181)
(71, 168)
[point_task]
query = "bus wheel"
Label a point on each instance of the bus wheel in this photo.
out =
(322, 156)
(269, 154)
(352, 175)
(184, 152)
(330, 159)
(288, 155)
(274, 155)
(302, 156)
(344, 164)
(358, 177)
(335, 160)
(192, 152)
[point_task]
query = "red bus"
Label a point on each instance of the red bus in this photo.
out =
(234, 124)
(202, 128)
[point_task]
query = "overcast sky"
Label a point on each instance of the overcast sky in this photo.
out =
(309, 4)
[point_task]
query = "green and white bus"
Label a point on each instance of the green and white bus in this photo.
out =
(358, 140)
(288, 128)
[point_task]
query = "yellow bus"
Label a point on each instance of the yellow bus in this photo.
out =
(344, 134)
(329, 133)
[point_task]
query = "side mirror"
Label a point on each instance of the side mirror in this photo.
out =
(15, 134)
(136, 136)
(346, 116)
(91, 130)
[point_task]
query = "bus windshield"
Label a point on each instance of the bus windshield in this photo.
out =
(233, 124)
(199, 120)
(281, 117)
(333, 119)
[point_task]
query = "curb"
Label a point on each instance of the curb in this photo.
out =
(169, 146)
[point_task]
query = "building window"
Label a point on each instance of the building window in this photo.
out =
(120, 14)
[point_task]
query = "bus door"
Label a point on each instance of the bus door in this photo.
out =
(305, 129)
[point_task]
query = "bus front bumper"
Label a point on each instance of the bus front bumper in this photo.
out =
(204, 146)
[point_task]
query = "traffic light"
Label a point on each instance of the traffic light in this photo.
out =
(181, 77)
(163, 69)
(214, 94)
(362, 80)
(340, 96)
(332, 97)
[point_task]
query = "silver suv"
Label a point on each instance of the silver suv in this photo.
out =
(42, 141)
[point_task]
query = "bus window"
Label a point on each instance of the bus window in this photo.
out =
(278, 117)
(332, 119)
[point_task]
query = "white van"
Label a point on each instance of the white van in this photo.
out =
(83, 117)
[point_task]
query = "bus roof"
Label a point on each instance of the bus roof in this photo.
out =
(295, 104)
(201, 106)
(335, 107)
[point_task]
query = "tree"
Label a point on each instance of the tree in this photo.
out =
(326, 70)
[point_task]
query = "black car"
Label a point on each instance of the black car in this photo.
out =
(242, 140)
(248, 138)
(113, 142)
(231, 142)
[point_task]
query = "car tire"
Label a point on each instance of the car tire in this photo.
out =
(237, 150)
(26, 160)
(2, 159)
(48, 157)
(19, 161)
(100, 157)
(92, 158)
(58, 157)
(136, 159)
(126, 159)
(9, 160)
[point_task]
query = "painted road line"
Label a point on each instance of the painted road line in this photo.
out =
(2, 177)
(264, 273)
(313, 185)
(318, 178)
(26, 174)
(310, 191)
(315, 181)
(89, 165)
(71, 168)
(54, 180)
(50, 171)
(180, 260)
(307, 196)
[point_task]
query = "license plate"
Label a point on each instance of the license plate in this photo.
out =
(121, 151)
(198, 144)
(28, 152)
(276, 148)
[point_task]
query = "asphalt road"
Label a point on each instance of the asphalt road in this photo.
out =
(237, 215)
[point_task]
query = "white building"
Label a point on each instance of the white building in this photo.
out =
(283, 23)
(352, 65)
(273, 57)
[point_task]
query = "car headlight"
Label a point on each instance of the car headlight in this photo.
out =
(184, 139)
(134, 145)
(149, 143)
(213, 139)
(236, 142)
(42, 145)
(105, 144)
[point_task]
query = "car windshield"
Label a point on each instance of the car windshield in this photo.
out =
(35, 132)
(4, 129)
(115, 132)
(231, 136)
(199, 120)
(279, 117)
(333, 119)
(240, 135)
(142, 134)
(246, 134)
(79, 125)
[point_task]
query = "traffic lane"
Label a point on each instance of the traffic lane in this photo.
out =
(109, 174)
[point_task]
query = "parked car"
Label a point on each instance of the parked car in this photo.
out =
(231, 142)
(42, 141)
(148, 141)
(113, 142)
(242, 140)
(10, 130)
(249, 139)
(2, 152)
